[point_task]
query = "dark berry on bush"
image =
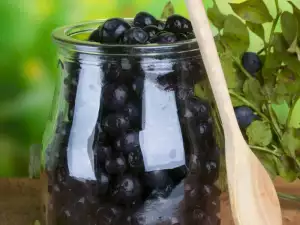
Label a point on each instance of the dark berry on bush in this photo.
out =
(127, 190)
(113, 30)
(151, 30)
(164, 38)
(114, 97)
(197, 108)
(115, 124)
(135, 161)
(160, 25)
(128, 143)
(111, 71)
(116, 165)
(178, 174)
(135, 35)
(132, 112)
(95, 36)
(143, 19)
(178, 24)
(244, 116)
(103, 153)
(102, 183)
(251, 62)
(156, 179)
(137, 86)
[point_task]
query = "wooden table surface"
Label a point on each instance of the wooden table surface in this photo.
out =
(20, 202)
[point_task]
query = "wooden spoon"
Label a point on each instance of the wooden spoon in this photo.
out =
(252, 194)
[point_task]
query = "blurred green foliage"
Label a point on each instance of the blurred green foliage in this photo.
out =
(28, 64)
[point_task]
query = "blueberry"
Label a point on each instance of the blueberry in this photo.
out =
(132, 112)
(114, 97)
(143, 19)
(168, 81)
(164, 38)
(135, 35)
(251, 62)
(157, 179)
(113, 30)
(178, 24)
(151, 30)
(128, 143)
(103, 153)
(115, 124)
(204, 129)
(95, 36)
(111, 71)
(102, 183)
(127, 190)
(116, 165)
(160, 25)
(181, 37)
(135, 161)
(190, 35)
(244, 116)
(138, 85)
(162, 192)
(210, 172)
(197, 108)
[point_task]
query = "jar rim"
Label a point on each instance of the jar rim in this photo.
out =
(63, 37)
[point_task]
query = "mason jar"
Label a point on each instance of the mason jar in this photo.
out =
(128, 141)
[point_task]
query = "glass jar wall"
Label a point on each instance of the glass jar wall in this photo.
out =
(131, 143)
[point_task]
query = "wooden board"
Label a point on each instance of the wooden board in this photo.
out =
(20, 202)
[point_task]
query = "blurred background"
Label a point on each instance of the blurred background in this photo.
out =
(28, 63)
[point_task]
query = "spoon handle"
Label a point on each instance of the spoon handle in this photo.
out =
(212, 64)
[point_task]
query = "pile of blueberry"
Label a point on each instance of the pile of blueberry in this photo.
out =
(124, 192)
(145, 29)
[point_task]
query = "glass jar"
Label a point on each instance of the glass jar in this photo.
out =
(128, 142)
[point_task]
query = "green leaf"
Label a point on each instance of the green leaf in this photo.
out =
(271, 66)
(267, 160)
(235, 35)
(296, 13)
(236, 102)
(292, 62)
(202, 90)
(252, 91)
(259, 133)
(285, 168)
(291, 142)
(289, 26)
(257, 29)
(290, 80)
(168, 10)
(279, 43)
(229, 69)
(294, 117)
(254, 11)
(215, 16)
(281, 112)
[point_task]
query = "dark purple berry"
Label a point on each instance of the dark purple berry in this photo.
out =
(128, 143)
(156, 179)
(143, 19)
(251, 62)
(116, 165)
(160, 25)
(162, 192)
(164, 38)
(135, 161)
(111, 71)
(181, 37)
(115, 97)
(113, 30)
(137, 86)
(168, 81)
(178, 174)
(127, 190)
(190, 35)
(95, 36)
(210, 171)
(102, 183)
(135, 35)
(115, 124)
(178, 24)
(151, 30)
(197, 108)
(102, 153)
(244, 116)
(204, 129)
(132, 112)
